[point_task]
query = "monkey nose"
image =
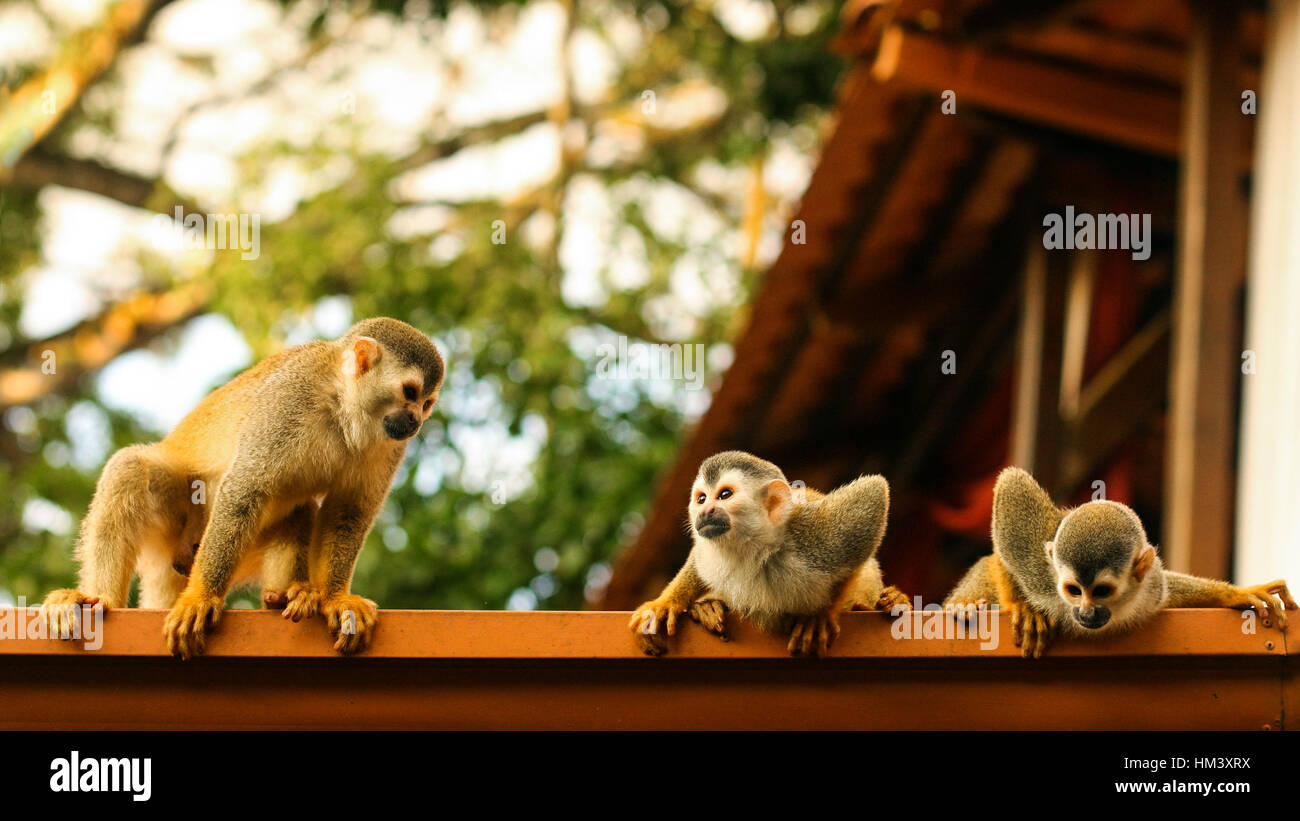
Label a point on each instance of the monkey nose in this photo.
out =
(1092, 617)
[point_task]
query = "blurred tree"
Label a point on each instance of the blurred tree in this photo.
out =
(536, 466)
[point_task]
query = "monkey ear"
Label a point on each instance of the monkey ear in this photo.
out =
(1050, 547)
(777, 502)
(1143, 561)
(361, 357)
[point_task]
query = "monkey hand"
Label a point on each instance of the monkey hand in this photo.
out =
(1031, 630)
(890, 598)
(965, 610)
(192, 614)
(651, 621)
(274, 599)
(61, 612)
(303, 602)
(351, 620)
(1267, 599)
(711, 614)
(813, 635)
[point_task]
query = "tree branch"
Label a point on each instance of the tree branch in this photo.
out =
(47, 366)
(40, 168)
(42, 102)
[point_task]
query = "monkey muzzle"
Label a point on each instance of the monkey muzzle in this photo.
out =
(401, 424)
(1092, 617)
(712, 524)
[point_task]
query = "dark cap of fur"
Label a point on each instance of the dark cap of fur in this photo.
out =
(1097, 536)
(404, 342)
(747, 463)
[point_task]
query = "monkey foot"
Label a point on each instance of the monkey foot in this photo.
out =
(651, 622)
(1272, 599)
(351, 620)
(711, 614)
(189, 618)
(892, 597)
(813, 635)
(61, 611)
(1031, 631)
(301, 602)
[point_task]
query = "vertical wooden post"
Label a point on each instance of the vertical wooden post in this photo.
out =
(1268, 541)
(1036, 417)
(1203, 374)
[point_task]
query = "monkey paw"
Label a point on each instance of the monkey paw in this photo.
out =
(1031, 631)
(813, 635)
(188, 620)
(711, 614)
(274, 599)
(890, 598)
(62, 613)
(1272, 599)
(302, 602)
(351, 620)
(651, 621)
(965, 609)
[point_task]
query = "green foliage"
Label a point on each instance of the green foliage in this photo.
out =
(461, 530)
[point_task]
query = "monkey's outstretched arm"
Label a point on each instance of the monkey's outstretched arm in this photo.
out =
(976, 587)
(657, 618)
(237, 513)
(1193, 591)
(344, 521)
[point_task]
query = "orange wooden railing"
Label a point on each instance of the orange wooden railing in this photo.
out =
(1190, 669)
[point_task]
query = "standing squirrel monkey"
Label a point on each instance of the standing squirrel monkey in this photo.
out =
(278, 474)
(789, 560)
(1086, 571)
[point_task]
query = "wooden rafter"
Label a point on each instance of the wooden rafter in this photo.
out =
(1131, 114)
(1206, 329)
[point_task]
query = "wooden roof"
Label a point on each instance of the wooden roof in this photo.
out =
(915, 235)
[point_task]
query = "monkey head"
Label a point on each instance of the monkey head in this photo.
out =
(392, 373)
(739, 501)
(1101, 556)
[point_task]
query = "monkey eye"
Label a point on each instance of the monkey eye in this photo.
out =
(1101, 591)
(1073, 590)
(409, 392)
(700, 498)
(725, 493)
(428, 403)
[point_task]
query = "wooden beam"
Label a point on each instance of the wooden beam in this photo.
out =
(1268, 541)
(1076, 100)
(1078, 315)
(1211, 252)
(1115, 401)
(583, 671)
(993, 20)
(1036, 417)
(1159, 62)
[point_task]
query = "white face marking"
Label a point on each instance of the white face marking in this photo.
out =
(728, 490)
(1101, 591)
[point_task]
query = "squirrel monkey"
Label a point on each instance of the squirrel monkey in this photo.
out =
(297, 454)
(1086, 571)
(789, 560)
